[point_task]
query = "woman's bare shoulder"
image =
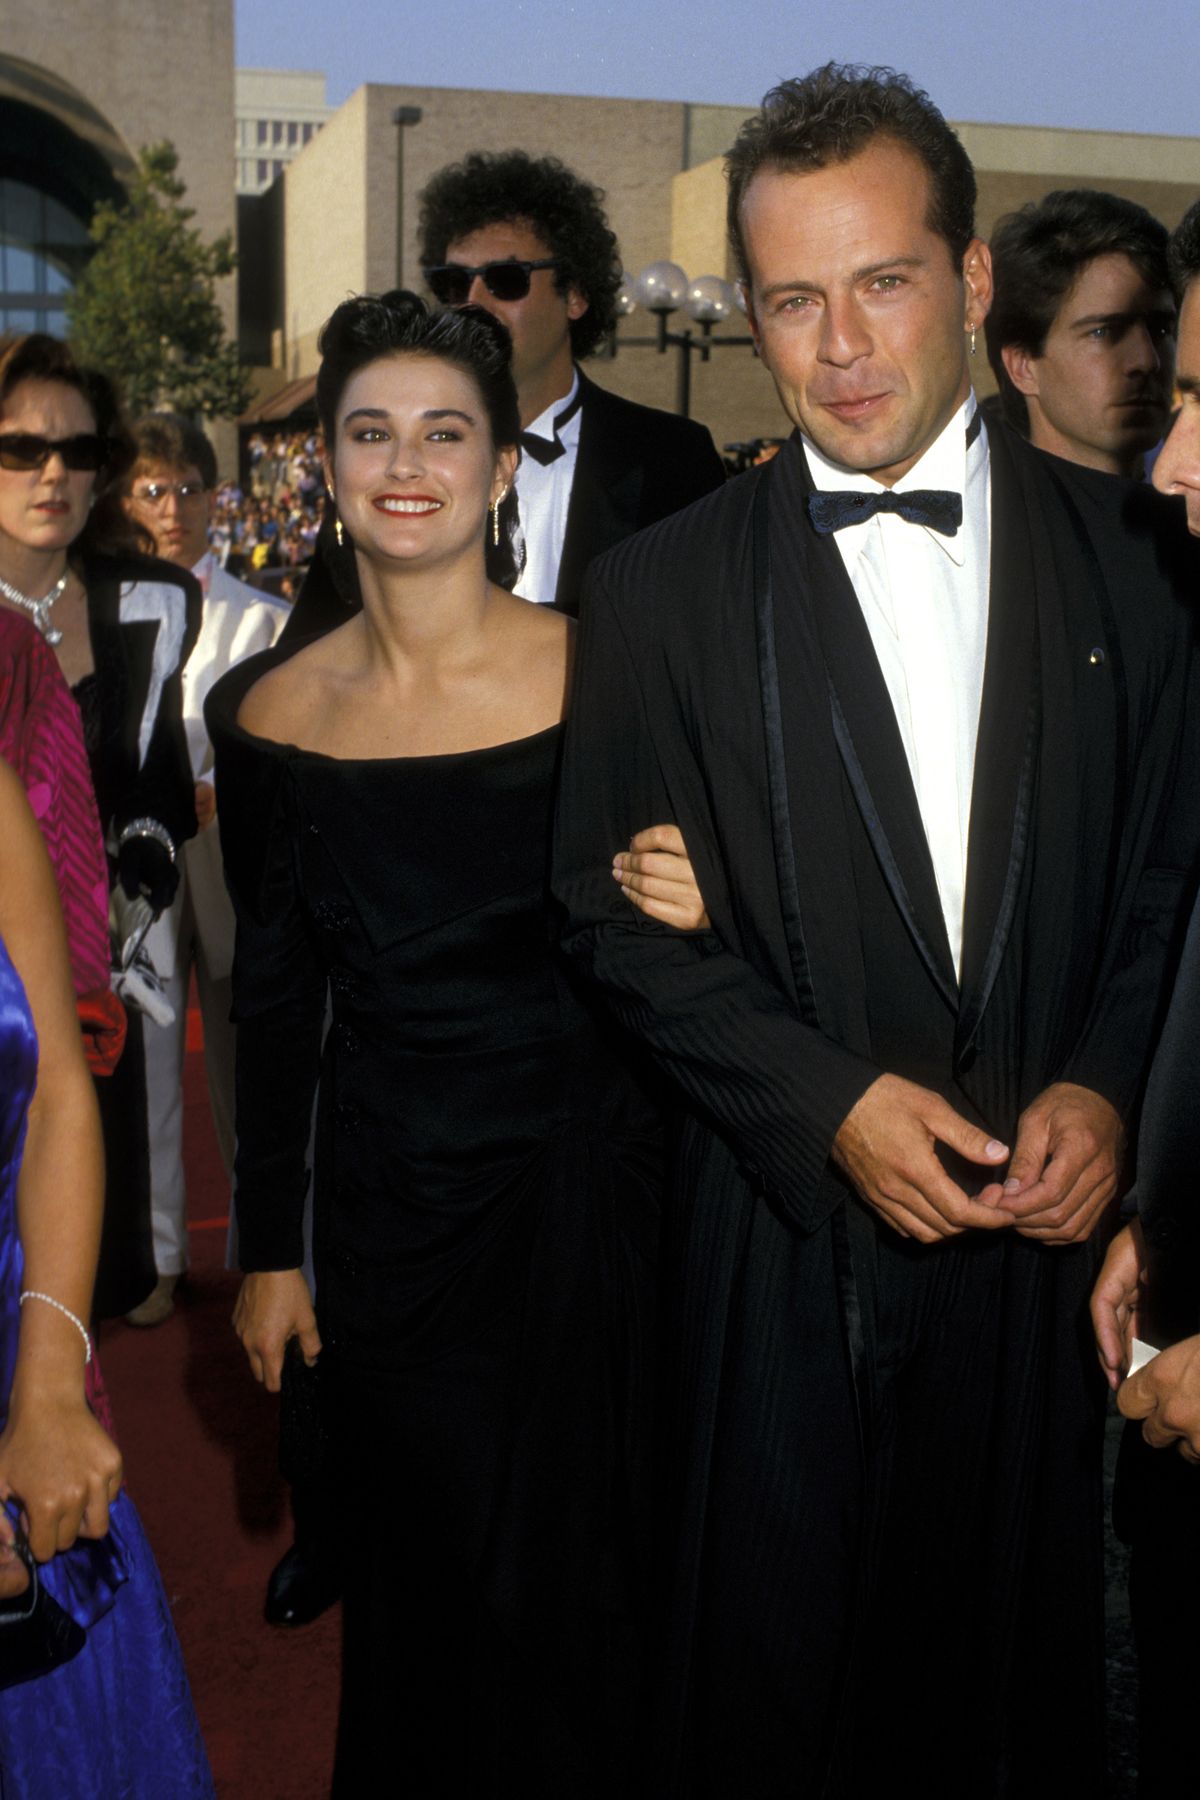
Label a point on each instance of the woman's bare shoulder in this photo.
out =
(284, 697)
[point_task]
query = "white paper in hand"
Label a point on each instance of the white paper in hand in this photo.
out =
(1142, 1354)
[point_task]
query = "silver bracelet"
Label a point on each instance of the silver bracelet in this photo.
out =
(148, 828)
(81, 1328)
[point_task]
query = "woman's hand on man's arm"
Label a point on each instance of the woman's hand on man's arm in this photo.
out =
(657, 876)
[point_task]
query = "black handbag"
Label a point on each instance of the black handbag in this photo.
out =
(36, 1635)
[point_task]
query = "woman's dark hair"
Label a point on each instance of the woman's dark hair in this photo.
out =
(371, 326)
(565, 211)
(1040, 251)
(833, 114)
(39, 357)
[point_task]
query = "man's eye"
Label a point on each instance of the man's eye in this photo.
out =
(887, 284)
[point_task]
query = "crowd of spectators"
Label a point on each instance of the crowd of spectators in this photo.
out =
(264, 531)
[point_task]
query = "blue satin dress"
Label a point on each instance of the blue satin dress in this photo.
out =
(117, 1722)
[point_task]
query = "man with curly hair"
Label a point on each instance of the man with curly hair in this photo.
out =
(527, 238)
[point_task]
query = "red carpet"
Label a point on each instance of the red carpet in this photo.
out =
(200, 1442)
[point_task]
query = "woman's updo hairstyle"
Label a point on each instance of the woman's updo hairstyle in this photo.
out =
(370, 326)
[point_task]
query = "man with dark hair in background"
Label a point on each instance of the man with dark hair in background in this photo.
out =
(527, 239)
(924, 756)
(1081, 334)
(1150, 1285)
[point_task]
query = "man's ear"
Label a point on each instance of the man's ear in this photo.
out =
(577, 303)
(1021, 367)
(977, 280)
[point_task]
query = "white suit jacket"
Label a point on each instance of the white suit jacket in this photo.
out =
(237, 621)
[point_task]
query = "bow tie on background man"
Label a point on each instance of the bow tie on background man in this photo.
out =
(548, 450)
(936, 507)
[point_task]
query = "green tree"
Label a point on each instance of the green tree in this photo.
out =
(145, 309)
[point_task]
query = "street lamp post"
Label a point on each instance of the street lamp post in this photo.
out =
(402, 116)
(709, 300)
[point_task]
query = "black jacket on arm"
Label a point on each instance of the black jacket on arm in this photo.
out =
(635, 466)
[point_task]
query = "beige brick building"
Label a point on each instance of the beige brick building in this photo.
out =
(84, 84)
(114, 78)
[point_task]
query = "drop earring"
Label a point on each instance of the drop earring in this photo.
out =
(338, 533)
(494, 509)
(974, 329)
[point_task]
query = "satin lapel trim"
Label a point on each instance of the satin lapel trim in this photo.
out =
(789, 893)
(777, 784)
(1006, 750)
(935, 952)
(865, 729)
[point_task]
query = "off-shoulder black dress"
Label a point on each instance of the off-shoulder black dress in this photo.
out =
(485, 1220)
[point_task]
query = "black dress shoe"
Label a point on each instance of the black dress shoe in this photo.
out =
(303, 1585)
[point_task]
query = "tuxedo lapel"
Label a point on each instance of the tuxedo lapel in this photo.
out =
(864, 721)
(1006, 747)
(605, 495)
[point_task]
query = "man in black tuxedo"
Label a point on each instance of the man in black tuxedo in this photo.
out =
(914, 694)
(527, 239)
(1150, 1284)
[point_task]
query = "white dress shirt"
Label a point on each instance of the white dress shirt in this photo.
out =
(543, 496)
(924, 597)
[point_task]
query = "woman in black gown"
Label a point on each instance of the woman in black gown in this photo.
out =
(486, 1169)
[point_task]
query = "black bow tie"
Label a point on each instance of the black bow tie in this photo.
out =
(935, 507)
(548, 450)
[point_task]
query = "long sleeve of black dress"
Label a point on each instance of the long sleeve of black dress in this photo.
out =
(279, 987)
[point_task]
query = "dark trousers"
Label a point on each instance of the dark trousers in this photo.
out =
(1157, 1512)
(927, 1610)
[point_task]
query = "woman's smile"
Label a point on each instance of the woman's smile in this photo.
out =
(407, 503)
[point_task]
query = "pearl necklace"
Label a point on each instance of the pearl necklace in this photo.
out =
(38, 610)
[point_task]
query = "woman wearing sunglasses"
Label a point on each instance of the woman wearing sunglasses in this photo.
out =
(76, 592)
(486, 1168)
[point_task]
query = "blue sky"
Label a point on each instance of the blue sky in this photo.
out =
(1106, 64)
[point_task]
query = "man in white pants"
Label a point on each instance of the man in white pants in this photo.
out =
(171, 495)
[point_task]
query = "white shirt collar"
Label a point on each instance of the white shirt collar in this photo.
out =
(543, 425)
(944, 465)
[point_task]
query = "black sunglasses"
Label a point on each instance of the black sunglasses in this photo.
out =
(509, 280)
(26, 450)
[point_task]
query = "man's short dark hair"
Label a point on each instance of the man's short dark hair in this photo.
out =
(171, 439)
(1039, 252)
(1183, 253)
(833, 114)
(565, 211)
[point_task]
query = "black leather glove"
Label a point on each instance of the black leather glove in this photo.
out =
(144, 866)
